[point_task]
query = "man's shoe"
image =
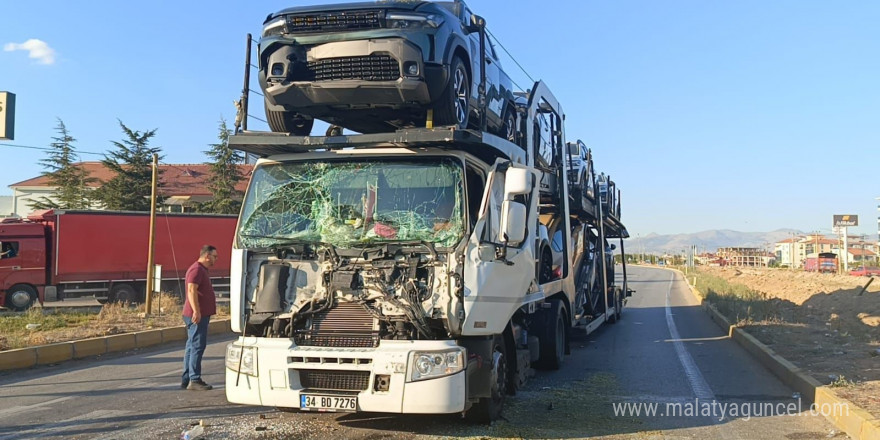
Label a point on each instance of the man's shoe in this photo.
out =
(184, 384)
(198, 385)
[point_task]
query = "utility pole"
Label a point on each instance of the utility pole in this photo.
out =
(152, 242)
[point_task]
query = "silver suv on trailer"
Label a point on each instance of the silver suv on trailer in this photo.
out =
(377, 66)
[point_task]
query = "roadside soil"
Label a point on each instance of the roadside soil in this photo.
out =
(34, 328)
(820, 323)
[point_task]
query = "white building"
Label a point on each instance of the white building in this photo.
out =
(6, 209)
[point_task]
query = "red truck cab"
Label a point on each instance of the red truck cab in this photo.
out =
(23, 263)
(865, 272)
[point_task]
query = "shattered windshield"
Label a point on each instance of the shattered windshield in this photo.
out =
(348, 204)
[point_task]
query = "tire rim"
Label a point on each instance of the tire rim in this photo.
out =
(461, 97)
(511, 133)
(20, 299)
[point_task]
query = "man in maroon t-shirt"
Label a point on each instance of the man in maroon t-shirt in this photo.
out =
(200, 304)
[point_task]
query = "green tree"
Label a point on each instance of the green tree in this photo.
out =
(225, 174)
(130, 187)
(65, 174)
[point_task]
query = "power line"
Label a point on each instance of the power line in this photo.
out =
(47, 149)
(261, 120)
(511, 57)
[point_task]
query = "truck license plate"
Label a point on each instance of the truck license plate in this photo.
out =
(321, 402)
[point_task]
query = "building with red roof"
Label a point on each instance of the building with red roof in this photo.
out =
(181, 186)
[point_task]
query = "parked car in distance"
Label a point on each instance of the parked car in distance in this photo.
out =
(378, 66)
(865, 271)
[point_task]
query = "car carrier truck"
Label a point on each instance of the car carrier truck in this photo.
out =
(419, 271)
(60, 254)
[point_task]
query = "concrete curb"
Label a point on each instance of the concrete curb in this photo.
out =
(64, 351)
(855, 421)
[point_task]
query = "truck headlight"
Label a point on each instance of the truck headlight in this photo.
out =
(402, 20)
(245, 356)
(275, 27)
(432, 364)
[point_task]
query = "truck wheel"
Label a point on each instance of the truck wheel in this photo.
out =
(552, 338)
(124, 293)
(453, 107)
(20, 297)
(289, 122)
(617, 301)
(488, 409)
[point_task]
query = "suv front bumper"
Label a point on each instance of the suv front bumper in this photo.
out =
(283, 66)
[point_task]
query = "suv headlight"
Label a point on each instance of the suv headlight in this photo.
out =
(410, 20)
(433, 364)
(245, 356)
(275, 27)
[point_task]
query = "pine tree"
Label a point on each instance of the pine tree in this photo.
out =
(65, 174)
(225, 174)
(130, 188)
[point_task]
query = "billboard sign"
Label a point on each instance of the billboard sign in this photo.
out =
(846, 220)
(7, 116)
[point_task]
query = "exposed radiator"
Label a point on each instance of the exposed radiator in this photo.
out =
(344, 325)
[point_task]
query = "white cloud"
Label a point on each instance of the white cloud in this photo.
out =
(37, 49)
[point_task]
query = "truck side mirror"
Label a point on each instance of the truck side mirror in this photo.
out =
(516, 181)
(476, 23)
(513, 222)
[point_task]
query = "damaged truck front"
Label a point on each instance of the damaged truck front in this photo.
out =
(356, 274)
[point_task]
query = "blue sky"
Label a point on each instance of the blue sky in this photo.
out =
(747, 115)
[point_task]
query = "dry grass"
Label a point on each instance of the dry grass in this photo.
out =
(35, 328)
(819, 322)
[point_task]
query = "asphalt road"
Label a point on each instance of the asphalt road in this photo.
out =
(665, 353)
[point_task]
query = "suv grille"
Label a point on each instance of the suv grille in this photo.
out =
(334, 21)
(334, 380)
(366, 68)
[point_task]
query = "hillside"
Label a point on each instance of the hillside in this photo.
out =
(707, 241)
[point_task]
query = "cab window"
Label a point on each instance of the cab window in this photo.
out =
(8, 249)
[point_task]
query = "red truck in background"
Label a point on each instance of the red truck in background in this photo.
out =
(825, 262)
(865, 271)
(65, 254)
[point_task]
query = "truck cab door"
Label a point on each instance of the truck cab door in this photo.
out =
(498, 275)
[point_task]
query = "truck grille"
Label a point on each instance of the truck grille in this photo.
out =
(365, 68)
(334, 21)
(344, 325)
(334, 380)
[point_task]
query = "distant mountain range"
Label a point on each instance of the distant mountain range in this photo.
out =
(707, 241)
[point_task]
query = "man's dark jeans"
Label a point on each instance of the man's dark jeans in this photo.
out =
(196, 341)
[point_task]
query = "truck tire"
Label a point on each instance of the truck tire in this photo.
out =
(289, 122)
(20, 297)
(617, 302)
(124, 293)
(488, 409)
(453, 107)
(552, 338)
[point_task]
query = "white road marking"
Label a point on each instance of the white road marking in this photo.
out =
(52, 429)
(696, 380)
(25, 408)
